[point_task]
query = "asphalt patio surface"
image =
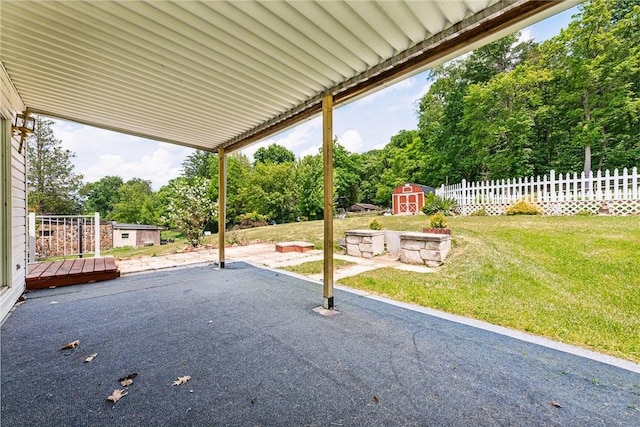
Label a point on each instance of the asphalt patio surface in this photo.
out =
(258, 355)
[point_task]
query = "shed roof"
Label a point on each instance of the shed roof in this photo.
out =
(208, 74)
(146, 227)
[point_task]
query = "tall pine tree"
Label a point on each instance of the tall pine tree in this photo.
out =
(52, 182)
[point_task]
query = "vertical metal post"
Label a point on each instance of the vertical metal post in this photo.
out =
(222, 204)
(327, 160)
(97, 235)
(32, 237)
(80, 236)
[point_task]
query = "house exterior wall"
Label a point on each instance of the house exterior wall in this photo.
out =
(144, 237)
(119, 241)
(407, 199)
(13, 194)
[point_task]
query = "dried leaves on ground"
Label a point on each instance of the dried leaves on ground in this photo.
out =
(116, 395)
(90, 358)
(128, 377)
(72, 344)
(182, 380)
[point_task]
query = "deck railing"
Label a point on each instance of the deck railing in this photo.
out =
(63, 236)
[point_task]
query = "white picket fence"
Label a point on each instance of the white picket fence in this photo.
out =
(616, 194)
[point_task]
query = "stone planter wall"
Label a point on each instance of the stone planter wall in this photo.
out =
(424, 248)
(392, 242)
(364, 243)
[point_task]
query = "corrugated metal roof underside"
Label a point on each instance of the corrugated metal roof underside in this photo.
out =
(210, 73)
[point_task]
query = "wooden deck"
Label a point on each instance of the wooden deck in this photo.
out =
(71, 272)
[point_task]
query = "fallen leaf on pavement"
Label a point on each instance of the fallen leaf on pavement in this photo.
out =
(128, 377)
(375, 399)
(126, 382)
(556, 404)
(116, 395)
(182, 380)
(72, 344)
(90, 358)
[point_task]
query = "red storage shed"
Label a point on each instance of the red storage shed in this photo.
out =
(408, 199)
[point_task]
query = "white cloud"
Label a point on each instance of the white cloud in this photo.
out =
(351, 140)
(310, 151)
(525, 35)
(101, 152)
(158, 167)
(298, 139)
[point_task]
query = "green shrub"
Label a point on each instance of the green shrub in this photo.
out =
(434, 204)
(523, 207)
(438, 220)
(250, 220)
(375, 225)
(480, 212)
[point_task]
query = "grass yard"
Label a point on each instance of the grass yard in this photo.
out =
(572, 279)
(130, 252)
(316, 267)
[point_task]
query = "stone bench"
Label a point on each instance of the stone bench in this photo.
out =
(364, 243)
(284, 247)
(424, 248)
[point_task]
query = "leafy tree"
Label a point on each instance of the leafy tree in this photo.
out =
(309, 184)
(190, 209)
(135, 203)
(371, 169)
(270, 190)
(447, 157)
(52, 183)
(238, 172)
(346, 178)
(598, 65)
(274, 153)
(198, 164)
(102, 195)
(499, 118)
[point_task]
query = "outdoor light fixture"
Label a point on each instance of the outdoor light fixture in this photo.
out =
(23, 125)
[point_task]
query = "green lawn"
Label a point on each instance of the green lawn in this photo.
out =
(572, 279)
(316, 267)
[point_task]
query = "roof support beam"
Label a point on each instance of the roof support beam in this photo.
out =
(327, 161)
(222, 203)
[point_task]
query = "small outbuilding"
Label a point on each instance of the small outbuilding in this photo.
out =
(363, 207)
(408, 199)
(136, 235)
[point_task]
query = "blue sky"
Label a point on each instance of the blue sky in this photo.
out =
(360, 126)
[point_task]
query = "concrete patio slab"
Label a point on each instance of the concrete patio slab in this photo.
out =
(257, 354)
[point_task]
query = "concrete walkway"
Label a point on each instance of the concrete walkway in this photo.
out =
(263, 254)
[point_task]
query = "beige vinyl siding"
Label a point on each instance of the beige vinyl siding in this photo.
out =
(13, 193)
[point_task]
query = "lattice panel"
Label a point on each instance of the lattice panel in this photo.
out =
(572, 207)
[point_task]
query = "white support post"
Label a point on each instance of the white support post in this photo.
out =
(32, 237)
(97, 234)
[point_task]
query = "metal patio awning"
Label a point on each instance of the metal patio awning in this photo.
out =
(210, 74)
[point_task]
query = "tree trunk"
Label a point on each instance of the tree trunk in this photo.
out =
(587, 159)
(587, 147)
